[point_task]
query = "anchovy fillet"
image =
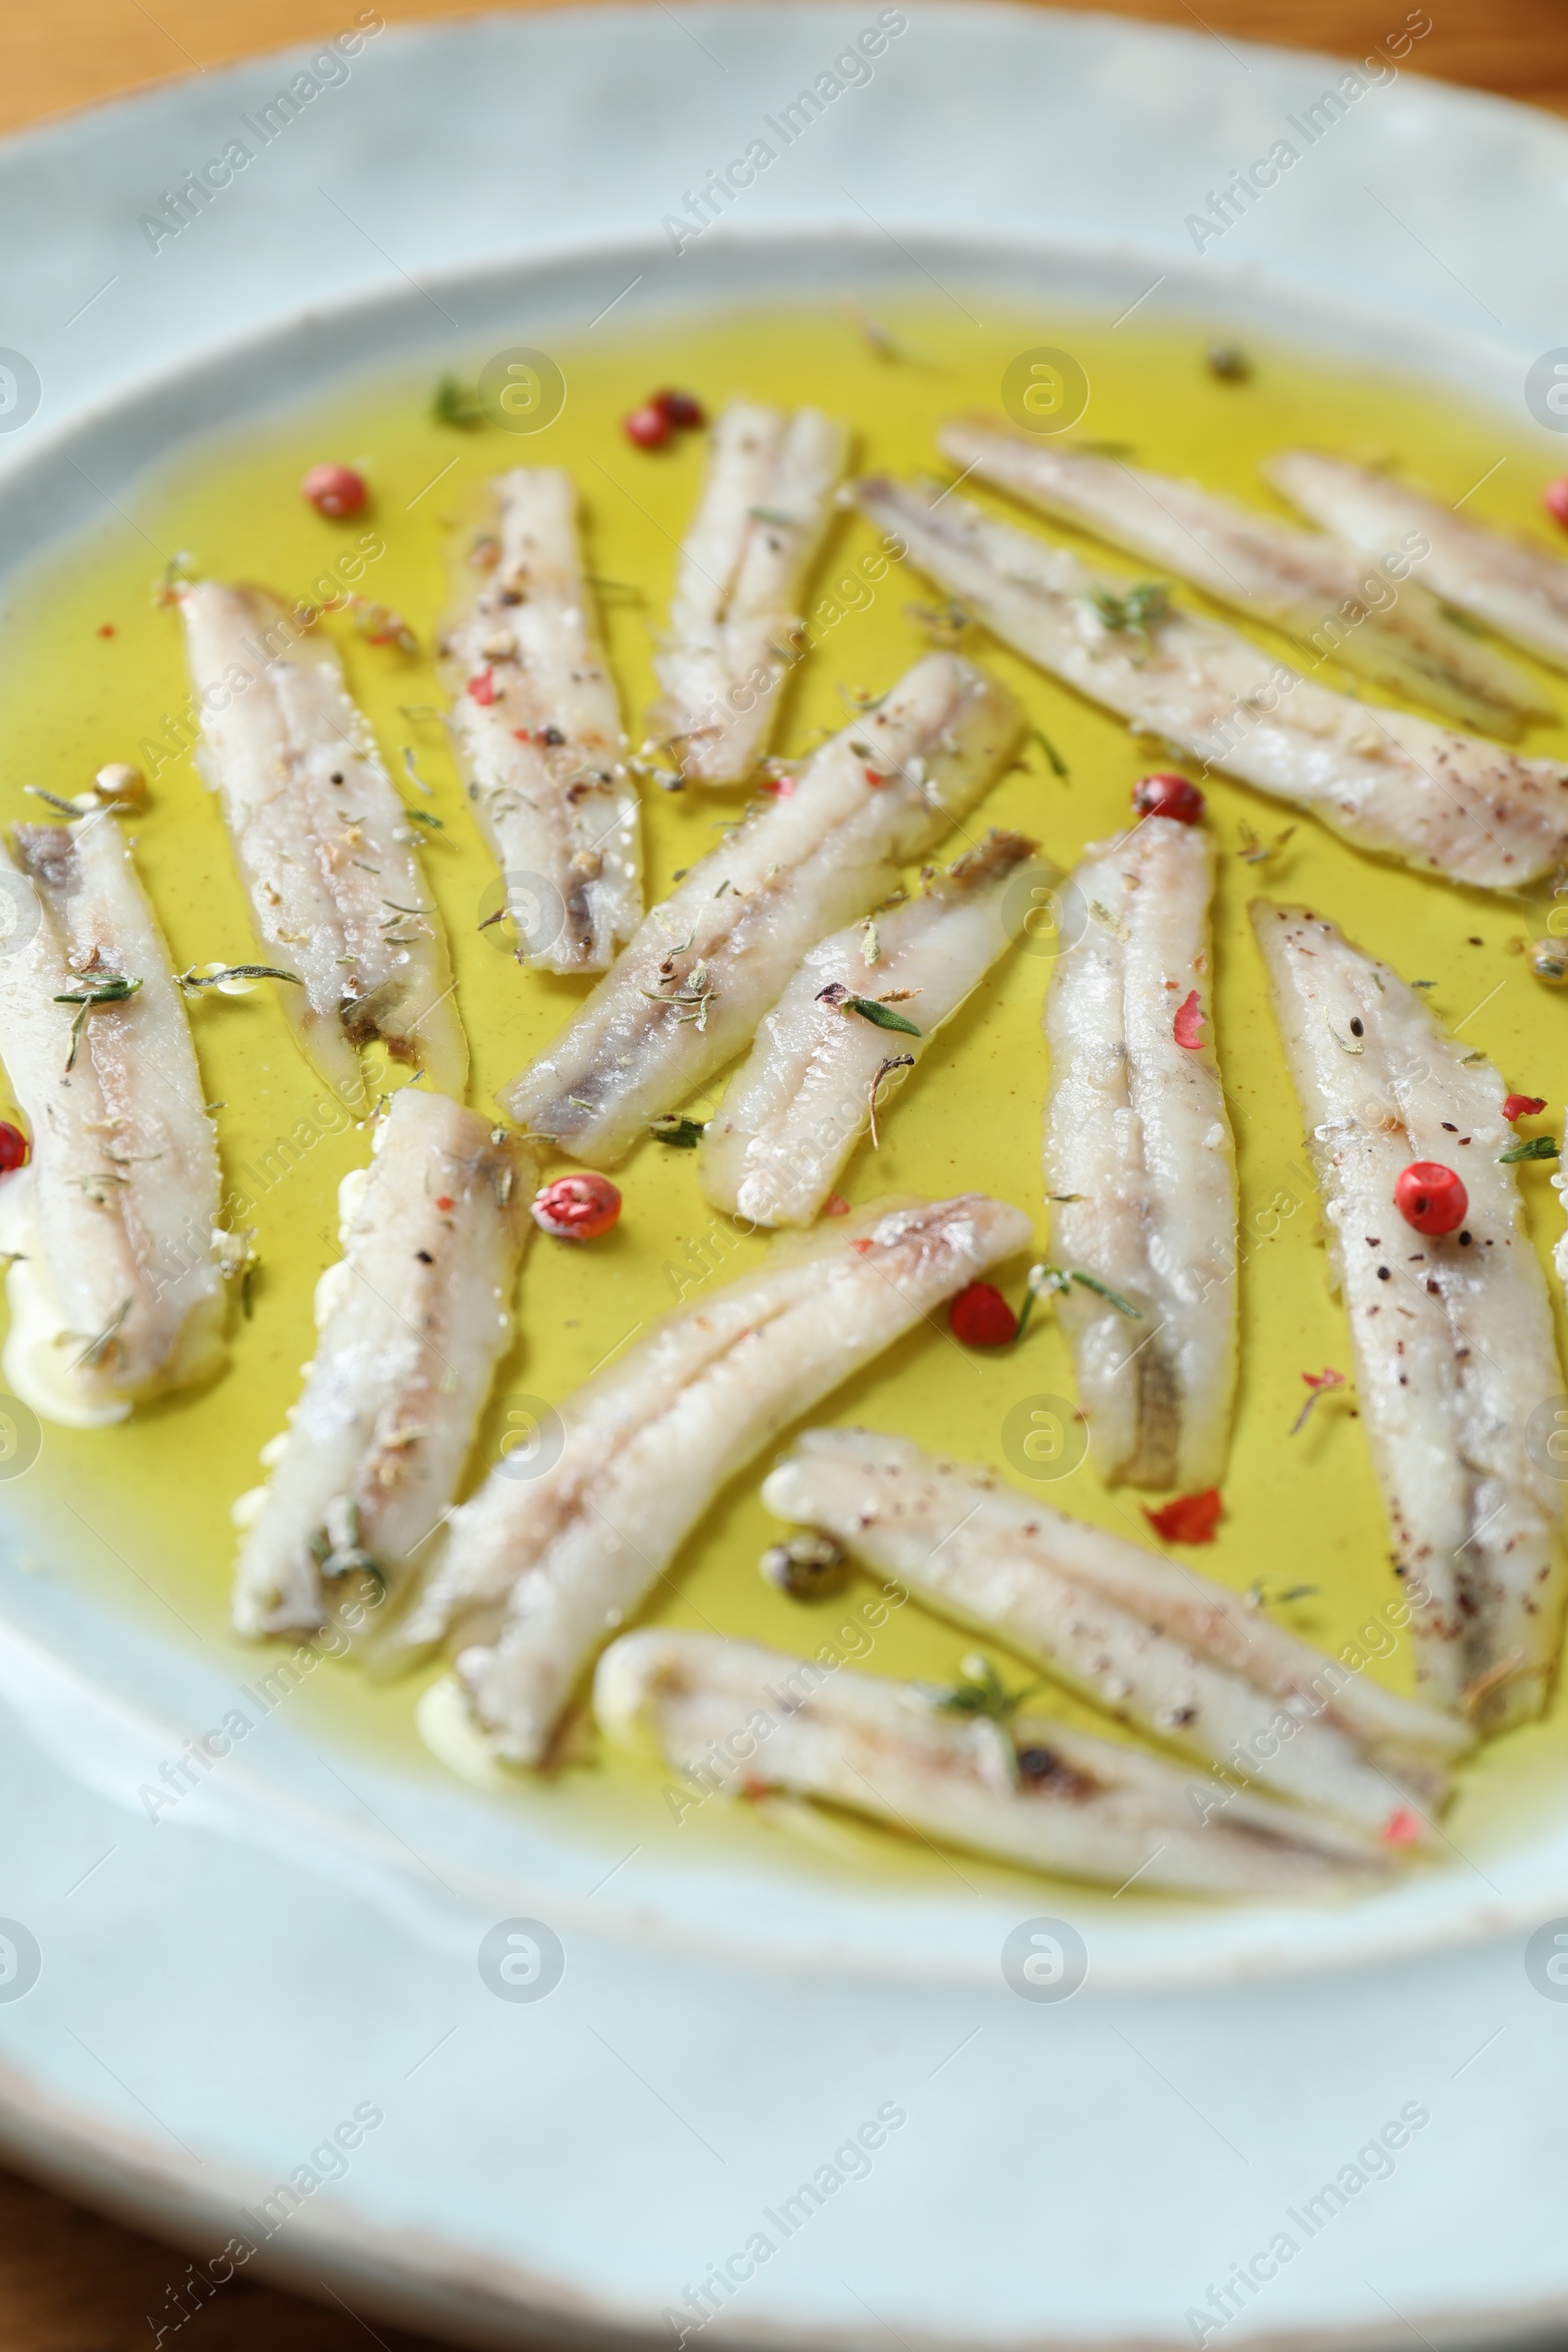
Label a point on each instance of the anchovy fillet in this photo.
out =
(1452, 1333)
(1515, 587)
(1151, 1641)
(1391, 782)
(537, 1572)
(119, 1294)
(766, 503)
(413, 1319)
(1139, 1161)
(736, 1719)
(795, 1111)
(687, 993)
(321, 842)
(1315, 589)
(537, 732)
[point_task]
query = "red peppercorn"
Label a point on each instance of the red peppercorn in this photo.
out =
(1188, 1518)
(482, 688)
(1167, 795)
(982, 1318)
(577, 1209)
(335, 490)
(1523, 1107)
(1401, 1828)
(1555, 498)
(683, 412)
(13, 1147)
(1430, 1196)
(648, 426)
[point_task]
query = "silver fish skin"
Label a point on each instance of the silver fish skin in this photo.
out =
(1514, 586)
(710, 960)
(1316, 589)
(1139, 1161)
(413, 1319)
(536, 1573)
(321, 841)
(1452, 1333)
(1151, 1641)
(537, 731)
(124, 1179)
(796, 1109)
(733, 1717)
(766, 503)
(1387, 780)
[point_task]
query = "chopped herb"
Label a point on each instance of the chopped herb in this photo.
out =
(1135, 614)
(1258, 1596)
(1046, 1281)
(689, 999)
(978, 1690)
(684, 1134)
(895, 1061)
(413, 772)
(1318, 1383)
(1058, 766)
(1346, 1045)
(770, 514)
(1471, 1058)
(1258, 851)
(66, 807)
(1108, 921)
(97, 1349)
(453, 403)
(1539, 1147)
(868, 1009)
(109, 989)
(193, 979)
(870, 945)
(423, 816)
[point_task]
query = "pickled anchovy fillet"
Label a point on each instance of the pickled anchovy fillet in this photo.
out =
(538, 735)
(1515, 587)
(1151, 1640)
(1140, 1160)
(535, 1573)
(733, 1717)
(1317, 589)
(1454, 1349)
(413, 1319)
(795, 1111)
(321, 841)
(119, 1294)
(689, 990)
(1391, 782)
(766, 503)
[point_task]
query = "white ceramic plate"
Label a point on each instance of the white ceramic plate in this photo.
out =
(220, 1990)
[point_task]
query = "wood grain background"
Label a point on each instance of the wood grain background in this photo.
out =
(69, 2281)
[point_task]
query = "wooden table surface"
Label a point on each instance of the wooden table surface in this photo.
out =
(69, 2281)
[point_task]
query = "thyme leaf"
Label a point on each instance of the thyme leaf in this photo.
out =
(684, 1134)
(870, 1009)
(193, 979)
(1058, 766)
(454, 402)
(109, 989)
(1538, 1147)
